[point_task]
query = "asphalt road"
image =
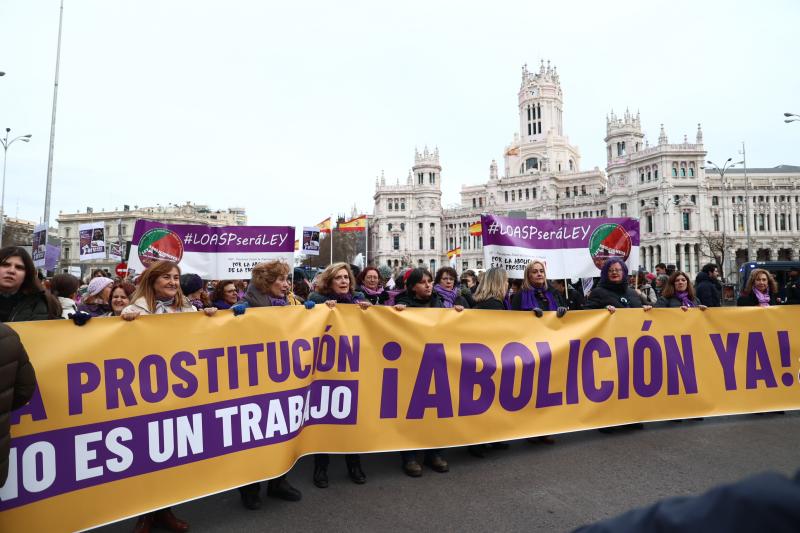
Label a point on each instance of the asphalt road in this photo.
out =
(584, 477)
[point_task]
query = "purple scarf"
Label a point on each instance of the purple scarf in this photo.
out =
(278, 301)
(370, 292)
(392, 295)
(448, 296)
(345, 298)
(531, 298)
(763, 297)
(683, 296)
(198, 303)
(221, 305)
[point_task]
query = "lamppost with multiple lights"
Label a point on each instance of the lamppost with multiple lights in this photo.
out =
(791, 117)
(6, 143)
(725, 166)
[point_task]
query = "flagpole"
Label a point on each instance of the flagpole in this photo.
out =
(331, 219)
(366, 242)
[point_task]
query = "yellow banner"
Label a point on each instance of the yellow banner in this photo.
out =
(137, 416)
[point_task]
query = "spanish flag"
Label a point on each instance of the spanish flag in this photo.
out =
(475, 229)
(455, 252)
(357, 224)
(325, 226)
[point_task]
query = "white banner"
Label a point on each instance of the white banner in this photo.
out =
(92, 241)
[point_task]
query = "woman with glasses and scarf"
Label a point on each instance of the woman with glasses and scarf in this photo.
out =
(679, 292)
(613, 290)
(445, 286)
(537, 294)
(370, 284)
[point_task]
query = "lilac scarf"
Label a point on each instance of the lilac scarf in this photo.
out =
(278, 301)
(531, 298)
(683, 296)
(392, 295)
(448, 296)
(763, 297)
(221, 305)
(345, 298)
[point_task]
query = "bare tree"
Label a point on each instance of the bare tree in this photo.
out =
(346, 245)
(713, 246)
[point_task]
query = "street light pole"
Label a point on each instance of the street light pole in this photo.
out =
(6, 143)
(746, 202)
(721, 172)
(791, 117)
(49, 186)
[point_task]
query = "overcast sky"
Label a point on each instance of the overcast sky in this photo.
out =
(291, 109)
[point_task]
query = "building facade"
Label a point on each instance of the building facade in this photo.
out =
(119, 225)
(688, 214)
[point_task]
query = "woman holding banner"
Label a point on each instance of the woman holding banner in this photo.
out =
(419, 293)
(268, 287)
(537, 294)
(679, 292)
(336, 285)
(491, 293)
(760, 290)
(159, 292)
(445, 286)
(613, 290)
(371, 284)
(225, 294)
(120, 298)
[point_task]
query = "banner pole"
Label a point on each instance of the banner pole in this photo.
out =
(331, 239)
(366, 242)
(566, 291)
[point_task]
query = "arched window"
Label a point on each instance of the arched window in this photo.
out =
(531, 163)
(571, 165)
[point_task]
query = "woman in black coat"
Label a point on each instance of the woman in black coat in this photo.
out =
(371, 286)
(491, 293)
(613, 291)
(537, 294)
(760, 290)
(679, 292)
(419, 293)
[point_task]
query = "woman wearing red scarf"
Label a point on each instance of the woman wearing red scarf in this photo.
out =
(679, 292)
(760, 290)
(537, 294)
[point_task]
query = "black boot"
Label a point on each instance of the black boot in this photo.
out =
(354, 470)
(280, 488)
(321, 477)
(250, 498)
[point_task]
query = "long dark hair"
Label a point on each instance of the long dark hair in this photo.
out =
(31, 283)
(414, 277)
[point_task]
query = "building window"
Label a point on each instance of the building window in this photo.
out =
(433, 265)
(761, 224)
(396, 242)
(474, 203)
(480, 201)
(623, 209)
(403, 205)
(694, 199)
(691, 172)
(395, 205)
(567, 191)
(66, 232)
(534, 194)
(420, 178)
(433, 239)
(686, 221)
(432, 177)
(506, 195)
(402, 226)
(571, 165)
(641, 177)
(465, 265)
(527, 194)
(583, 190)
(389, 226)
(740, 223)
(783, 222)
(714, 200)
(655, 174)
(716, 222)
(649, 223)
(674, 172)
(390, 204)
(66, 254)
(531, 163)
(683, 172)
(512, 195)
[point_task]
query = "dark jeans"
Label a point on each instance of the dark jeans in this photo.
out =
(411, 455)
(322, 460)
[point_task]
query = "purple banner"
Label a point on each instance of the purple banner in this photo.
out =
(218, 239)
(94, 454)
(553, 234)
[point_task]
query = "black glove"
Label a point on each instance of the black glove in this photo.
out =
(561, 311)
(538, 312)
(80, 317)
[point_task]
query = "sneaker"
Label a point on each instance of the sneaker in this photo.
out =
(437, 464)
(412, 468)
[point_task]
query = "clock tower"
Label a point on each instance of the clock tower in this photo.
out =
(540, 104)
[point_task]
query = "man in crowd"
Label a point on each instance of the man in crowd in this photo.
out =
(708, 287)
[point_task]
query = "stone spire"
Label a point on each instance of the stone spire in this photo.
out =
(662, 136)
(699, 134)
(493, 170)
(383, 178)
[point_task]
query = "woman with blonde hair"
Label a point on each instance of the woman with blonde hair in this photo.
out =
(492, 291)
(537, 294)
(159, 292)
(336, 285)
(268, 287)
(760, 290)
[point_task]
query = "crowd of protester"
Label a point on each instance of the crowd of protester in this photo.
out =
(163, 289)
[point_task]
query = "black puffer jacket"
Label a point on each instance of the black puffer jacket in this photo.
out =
(709, 291)
(750, 300)
(17, 383)
(606, 294)
(674, 301)
(411, 301)
(516, 300)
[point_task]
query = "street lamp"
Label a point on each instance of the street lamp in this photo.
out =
(721, 172)
(6, 143)
(791, 117)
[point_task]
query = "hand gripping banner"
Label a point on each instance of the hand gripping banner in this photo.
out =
(131, 417)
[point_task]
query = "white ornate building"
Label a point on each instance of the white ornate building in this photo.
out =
(684, 211)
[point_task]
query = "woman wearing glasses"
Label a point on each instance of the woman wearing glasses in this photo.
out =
(613, 290)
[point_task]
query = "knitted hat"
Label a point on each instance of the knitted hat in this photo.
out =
(191, 283)
(96, 286)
